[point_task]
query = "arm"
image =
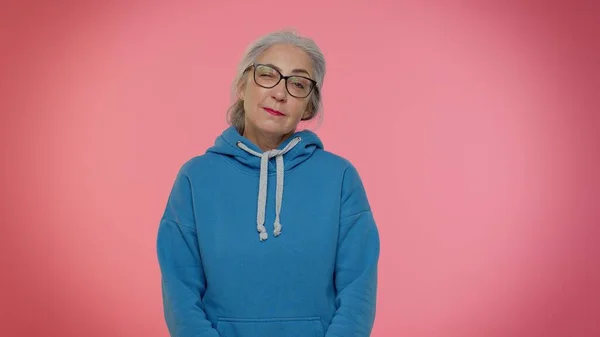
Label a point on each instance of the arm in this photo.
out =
(356, 262)
(183, 281)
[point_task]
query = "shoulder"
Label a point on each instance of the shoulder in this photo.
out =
(353, 192)
(198, 164)
(337, 162)
(331, 158)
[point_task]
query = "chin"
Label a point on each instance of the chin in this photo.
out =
(273, 128)
(274, 131)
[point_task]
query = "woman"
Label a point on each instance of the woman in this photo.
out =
(241, 256)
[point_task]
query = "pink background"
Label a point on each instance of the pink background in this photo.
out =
(474, 126)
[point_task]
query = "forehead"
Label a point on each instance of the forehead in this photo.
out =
(286, 58)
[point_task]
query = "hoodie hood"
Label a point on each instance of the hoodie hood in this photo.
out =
(249, 157)
(227, 145)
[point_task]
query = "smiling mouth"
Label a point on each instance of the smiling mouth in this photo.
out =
(274, 112)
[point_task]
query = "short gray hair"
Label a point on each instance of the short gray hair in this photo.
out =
(235, 113)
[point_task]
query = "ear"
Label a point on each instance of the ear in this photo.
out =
(240, 92)
(241, 89)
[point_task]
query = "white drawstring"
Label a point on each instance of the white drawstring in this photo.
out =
(262, 187)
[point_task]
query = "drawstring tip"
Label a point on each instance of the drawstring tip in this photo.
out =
(263, 236)
(263, 232)
(277, 230)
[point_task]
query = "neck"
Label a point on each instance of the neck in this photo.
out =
(265, 141)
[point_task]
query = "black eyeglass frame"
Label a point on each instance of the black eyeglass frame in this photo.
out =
(281, 77)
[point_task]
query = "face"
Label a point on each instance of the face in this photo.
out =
(274, 112)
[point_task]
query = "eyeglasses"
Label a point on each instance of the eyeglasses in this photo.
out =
(268, 77)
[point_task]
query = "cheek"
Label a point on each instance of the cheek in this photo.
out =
(254, 96)
(300, 109)
(249, 102)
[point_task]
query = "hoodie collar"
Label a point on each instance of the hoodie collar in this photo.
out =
(226, 145)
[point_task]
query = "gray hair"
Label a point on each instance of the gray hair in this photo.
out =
(235, 113)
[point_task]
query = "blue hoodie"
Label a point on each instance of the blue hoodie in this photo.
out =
(274, 244)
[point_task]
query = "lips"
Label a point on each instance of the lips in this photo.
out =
(274, 112)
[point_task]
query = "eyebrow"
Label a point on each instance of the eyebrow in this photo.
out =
(296, 71)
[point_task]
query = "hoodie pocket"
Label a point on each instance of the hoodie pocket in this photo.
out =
(270, 327)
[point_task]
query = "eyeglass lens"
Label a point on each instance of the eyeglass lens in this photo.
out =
(268, 77)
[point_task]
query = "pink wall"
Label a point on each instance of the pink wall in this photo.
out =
(474, 125)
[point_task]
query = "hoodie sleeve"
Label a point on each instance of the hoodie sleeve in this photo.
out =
(356, 262)
(183, 282)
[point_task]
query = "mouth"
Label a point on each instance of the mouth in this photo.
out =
(274, 112)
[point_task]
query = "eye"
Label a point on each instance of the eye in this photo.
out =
(300, 83)
(266, 72)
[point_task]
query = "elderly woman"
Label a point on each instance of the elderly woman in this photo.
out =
(267, 234)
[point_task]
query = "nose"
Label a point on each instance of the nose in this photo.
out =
(279, 92)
